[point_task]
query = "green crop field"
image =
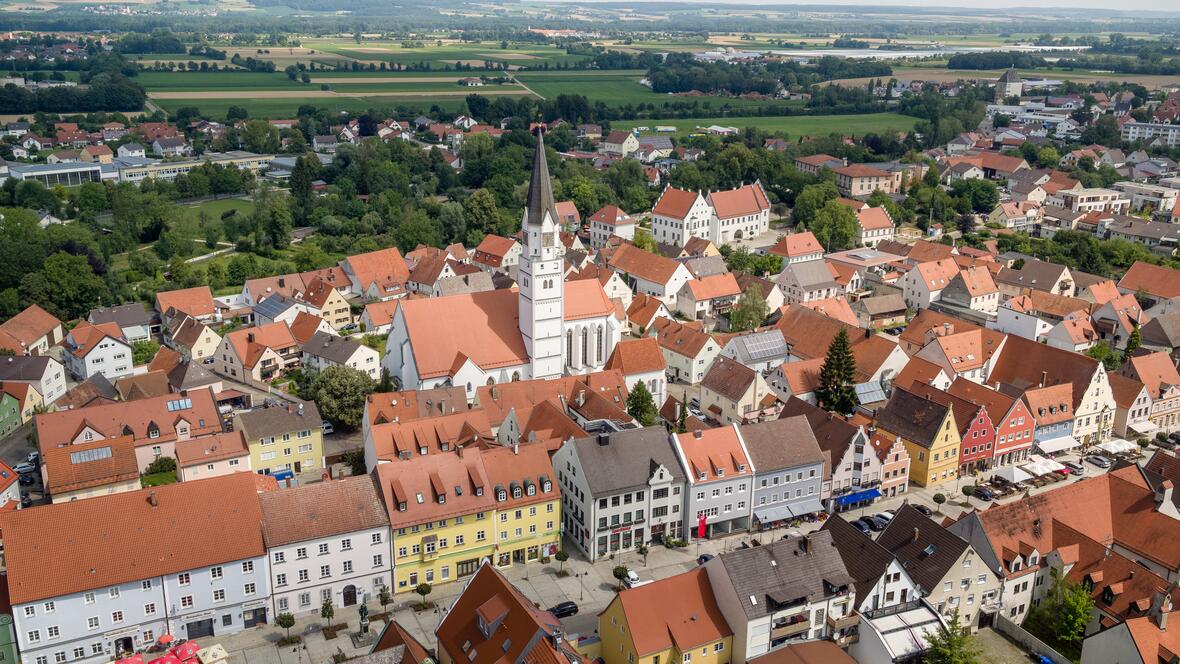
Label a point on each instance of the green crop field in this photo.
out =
(793, 126)
(201, 81)
(287, 108)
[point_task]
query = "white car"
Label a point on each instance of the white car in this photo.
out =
(327, 427)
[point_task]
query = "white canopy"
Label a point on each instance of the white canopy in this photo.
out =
(1013, 474)
(1039, 465)
(1118, 446)
(1054, 445)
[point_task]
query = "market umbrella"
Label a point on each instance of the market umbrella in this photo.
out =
(165, 639)
(166, 659)
(137, 658)
(186, 650)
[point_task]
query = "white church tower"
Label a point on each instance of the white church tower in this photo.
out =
(540, 274)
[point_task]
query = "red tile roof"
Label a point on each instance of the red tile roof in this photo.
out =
(746, 200)
(675, 203)
(24, 329)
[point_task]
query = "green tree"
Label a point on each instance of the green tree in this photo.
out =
(286, 621)
(641, 406)
(142, 352)
(66, 286)
(561, 556)
(749, 311)
(952, 644)
(837, 376)
(620, 573)
(834, 226)
(1110, 358)
(809, 202)
(423, 589)
(1062, 615)
(939, 499)
(1133, 342)
(385, 598)
(340, 393)
(481, 215)
(644, 240)
(327, 611)
(681, 418)
(981, 195)
(414, 229)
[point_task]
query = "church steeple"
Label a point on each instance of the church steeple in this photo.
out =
(540, 198)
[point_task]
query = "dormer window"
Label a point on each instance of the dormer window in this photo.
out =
(701, 476)
(720, 472)
(479, 491)
(442, 499)
(445, 447)
(422, 451)
(531, 490)
(546, 486)
(501, 495)
(516, 492)
(741, 467)
(401, 506)
(419, 498)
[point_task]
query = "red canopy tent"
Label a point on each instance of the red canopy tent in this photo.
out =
(137, 658)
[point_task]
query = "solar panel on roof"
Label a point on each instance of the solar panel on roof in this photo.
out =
(764, 345)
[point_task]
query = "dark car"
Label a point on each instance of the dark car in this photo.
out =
(703, 558)
(985, 494)
(564, 610)
(859, 525)
(26, 501)
(923, 509)
(1168, 443)
(876, 525)
(27, 480)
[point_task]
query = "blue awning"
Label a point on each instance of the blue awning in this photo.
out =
(858, 497)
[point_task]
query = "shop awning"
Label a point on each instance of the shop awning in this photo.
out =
(1012, 474)
(1144, 428)
(1054, 445)
(772, 513)
(808, 506)
(858, 497)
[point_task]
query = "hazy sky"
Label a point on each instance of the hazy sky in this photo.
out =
(1171, 6)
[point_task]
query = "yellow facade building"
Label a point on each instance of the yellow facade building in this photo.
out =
(288, 437)
(451, 509)
(928, 431)
(671, 621)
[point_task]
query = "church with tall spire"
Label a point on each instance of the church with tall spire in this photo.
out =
(543, 328)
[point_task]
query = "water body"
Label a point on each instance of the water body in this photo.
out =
(882, 54)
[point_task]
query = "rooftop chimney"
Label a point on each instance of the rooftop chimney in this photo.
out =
(152, 499)
(697, 434)
(604, 438)
(1044, 377)
(915, 536)
(250, 337)
(1163, 493)
(301, 410)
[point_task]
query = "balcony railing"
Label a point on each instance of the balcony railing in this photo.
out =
(790, 629)
(844, 622)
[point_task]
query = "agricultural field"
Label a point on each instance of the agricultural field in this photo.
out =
(928, 73)
(287, 107)
(792, 126)
(447, 54)
(620, 87)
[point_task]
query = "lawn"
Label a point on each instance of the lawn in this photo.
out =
(198, 81)
(792, 126)
(158, 479)
(187, 219)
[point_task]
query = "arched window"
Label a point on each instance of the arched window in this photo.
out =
(491, 380)
(515, 376)
(569, 348)
(601, 344)
(585, 346)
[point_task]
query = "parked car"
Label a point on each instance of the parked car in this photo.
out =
(27, 480)
(703, 558)
(923, 509)
(985, 494)
(327, 427)
(633, 580)
(564, 610)
(1099, 460)
(34, 458)
(860, 525)
(1168, 443)
(25, 467)
(25, 501)
(1074, 468)
(884, 516)
(874, 524)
